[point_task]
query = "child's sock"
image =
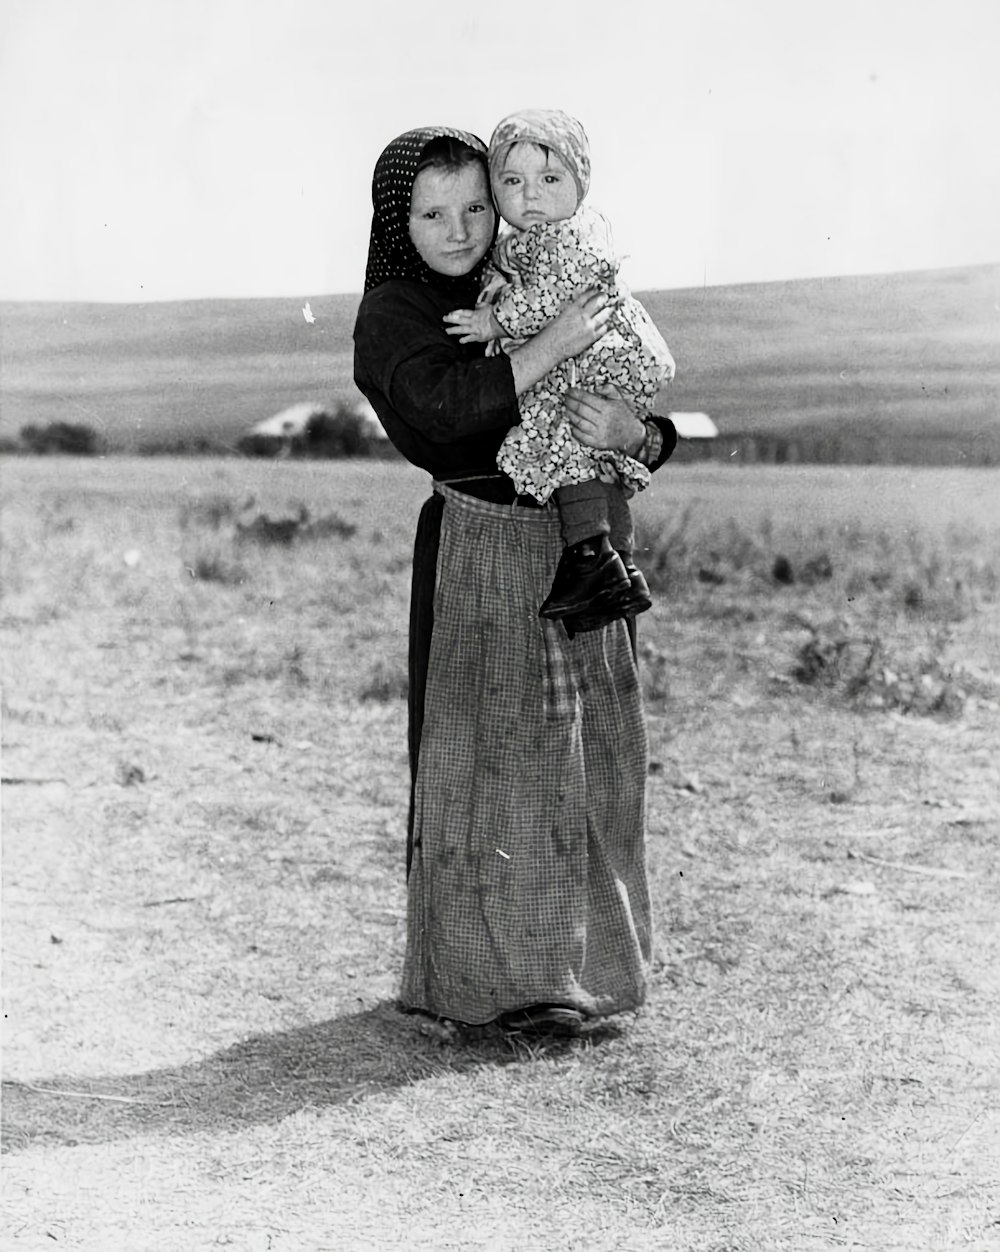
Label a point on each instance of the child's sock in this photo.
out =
(583, 510)
(622, 531)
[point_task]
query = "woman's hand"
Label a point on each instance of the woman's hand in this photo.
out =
(604, 421)
(580, 323)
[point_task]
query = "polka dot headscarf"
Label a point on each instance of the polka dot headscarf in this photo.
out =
(552, 129)
(391, 253)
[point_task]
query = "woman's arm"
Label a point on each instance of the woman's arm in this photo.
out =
(403, 354)
(420, 382)
(553, 261)
(578, 327)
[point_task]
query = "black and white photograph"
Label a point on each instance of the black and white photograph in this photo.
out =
(500, 626)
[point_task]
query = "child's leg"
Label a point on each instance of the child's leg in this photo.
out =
(583, 510)
(589, 570)
(622, 531)
(622, 536)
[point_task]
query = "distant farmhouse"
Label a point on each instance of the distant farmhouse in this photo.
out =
(694, 426)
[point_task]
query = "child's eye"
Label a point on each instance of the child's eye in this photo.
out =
(477, 208)
(510, 181)
(553, 178)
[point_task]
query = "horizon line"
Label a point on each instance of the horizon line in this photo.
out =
(356, 294)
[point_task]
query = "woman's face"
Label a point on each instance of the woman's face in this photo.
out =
(452, 218)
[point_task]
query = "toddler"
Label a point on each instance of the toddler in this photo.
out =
(554, 248)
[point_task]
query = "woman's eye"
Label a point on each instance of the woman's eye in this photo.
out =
(477, 208)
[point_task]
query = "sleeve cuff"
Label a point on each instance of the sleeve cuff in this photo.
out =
(652, 445)
(660, 441)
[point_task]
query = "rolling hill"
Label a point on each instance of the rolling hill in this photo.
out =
(910, 359)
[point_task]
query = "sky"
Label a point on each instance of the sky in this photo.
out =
(177, 149)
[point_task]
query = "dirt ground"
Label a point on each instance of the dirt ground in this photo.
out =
(204, 788)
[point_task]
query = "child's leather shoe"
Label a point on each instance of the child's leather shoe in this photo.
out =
(587, 571)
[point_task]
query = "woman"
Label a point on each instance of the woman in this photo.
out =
(528, 902)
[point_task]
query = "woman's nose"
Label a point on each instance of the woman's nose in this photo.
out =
(459, 227)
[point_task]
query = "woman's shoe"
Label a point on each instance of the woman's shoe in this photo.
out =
(552, 1020)
(587, 571)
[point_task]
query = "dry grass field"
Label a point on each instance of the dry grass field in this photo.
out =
(204, 797)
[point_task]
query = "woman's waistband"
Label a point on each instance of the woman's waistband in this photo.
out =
(516, 507)
(491, 488)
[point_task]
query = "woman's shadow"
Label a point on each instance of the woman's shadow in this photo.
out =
(261, 1080)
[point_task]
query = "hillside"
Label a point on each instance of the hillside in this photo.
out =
(897, 356)
(907, 358)
(150, 374)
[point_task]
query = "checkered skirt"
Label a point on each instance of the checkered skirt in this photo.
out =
(528, 881)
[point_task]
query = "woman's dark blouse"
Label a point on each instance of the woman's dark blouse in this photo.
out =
(444, 405)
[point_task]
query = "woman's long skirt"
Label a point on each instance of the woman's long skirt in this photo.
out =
(527, 881)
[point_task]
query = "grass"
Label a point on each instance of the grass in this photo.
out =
(204, 905)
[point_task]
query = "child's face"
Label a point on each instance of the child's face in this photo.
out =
(534, 186)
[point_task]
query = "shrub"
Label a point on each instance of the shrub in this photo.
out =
(386, 682)
(215, 567)
(208, 512)
(654, 670)
(283, 531)
(185, 445)
(870, 674)
(343, 431)
(67, 438)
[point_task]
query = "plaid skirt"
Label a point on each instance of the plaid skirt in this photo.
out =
(527, 880)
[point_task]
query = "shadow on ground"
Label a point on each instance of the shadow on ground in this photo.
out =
(261, 1080)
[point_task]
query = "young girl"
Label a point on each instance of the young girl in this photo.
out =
(557, 246)
(527, 901)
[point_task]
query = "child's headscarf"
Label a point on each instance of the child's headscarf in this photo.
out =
(551, 129)
(391, 253)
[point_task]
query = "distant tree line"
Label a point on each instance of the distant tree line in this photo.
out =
(328, 434)
(344, 432)
(823, 449)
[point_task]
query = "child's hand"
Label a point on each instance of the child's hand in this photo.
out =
(473, 325)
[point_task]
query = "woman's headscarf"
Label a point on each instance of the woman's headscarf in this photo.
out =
(391, 253)
(550, 128)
